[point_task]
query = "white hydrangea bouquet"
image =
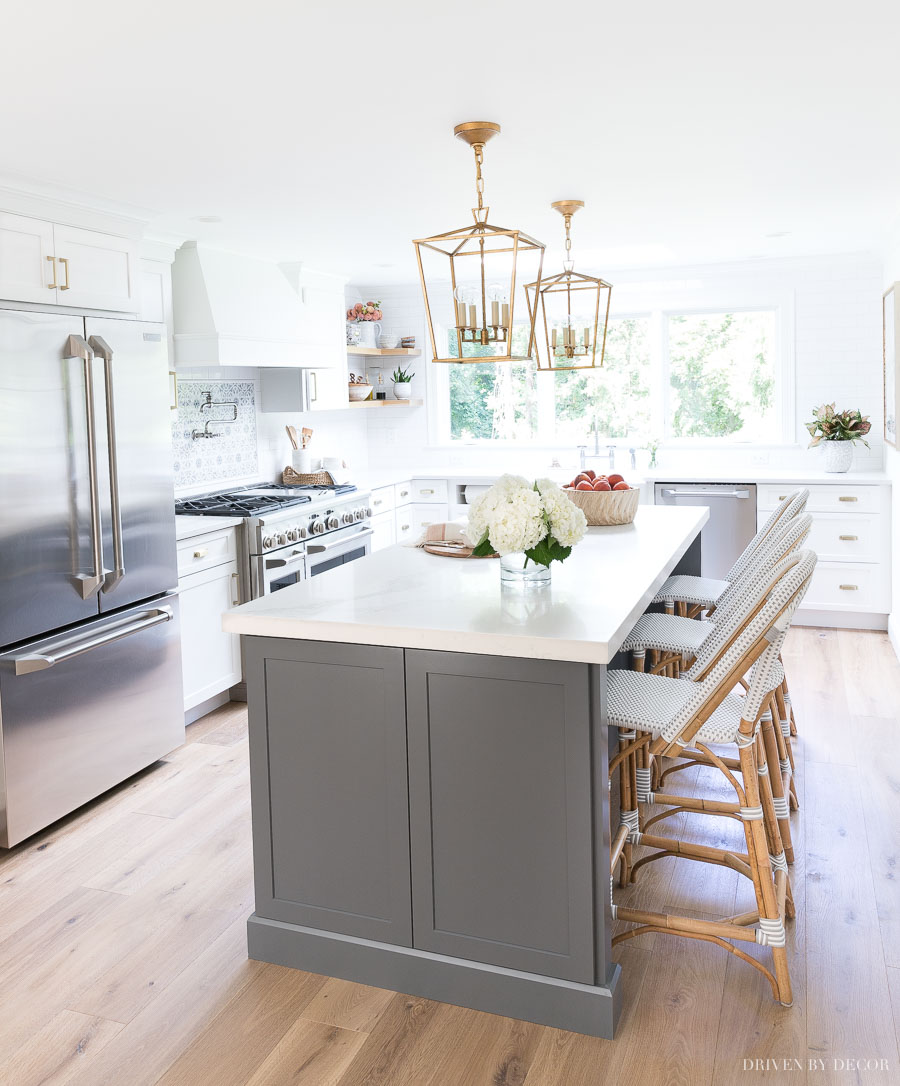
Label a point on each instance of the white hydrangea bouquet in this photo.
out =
(535, 520)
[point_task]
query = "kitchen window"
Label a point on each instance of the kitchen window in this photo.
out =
(696, 376)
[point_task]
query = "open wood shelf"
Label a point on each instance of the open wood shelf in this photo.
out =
(386, 403)
(376, 352)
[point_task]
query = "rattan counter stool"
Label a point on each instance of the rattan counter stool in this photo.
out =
(678, 642)
(670, 715)
(690, 596)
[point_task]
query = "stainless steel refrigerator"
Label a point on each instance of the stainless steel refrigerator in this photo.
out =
(90, 665)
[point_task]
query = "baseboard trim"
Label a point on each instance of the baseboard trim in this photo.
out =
(582, 1008)
(841, 620)
(196, 711)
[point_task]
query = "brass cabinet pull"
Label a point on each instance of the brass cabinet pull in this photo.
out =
(377, 501)
(52, 286)
(65, 263)
(235, 603)
(404, 527)
(846, 499)
(404, 493)
(426, 491)
(848, 587)
(202, 553)
(781, 497)
(849, 538)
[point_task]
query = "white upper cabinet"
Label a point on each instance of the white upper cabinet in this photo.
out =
(60, 265)
(96, 271)
(26, 259)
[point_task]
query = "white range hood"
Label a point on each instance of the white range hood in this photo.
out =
(232, 310)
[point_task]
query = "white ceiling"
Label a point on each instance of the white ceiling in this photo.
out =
(323, 132)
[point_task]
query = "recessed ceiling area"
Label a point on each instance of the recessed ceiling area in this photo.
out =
(693, 132)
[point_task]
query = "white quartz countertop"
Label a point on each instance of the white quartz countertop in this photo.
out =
(187, 526)
(406, 597)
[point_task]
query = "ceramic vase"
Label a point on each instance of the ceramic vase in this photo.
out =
(838, 455)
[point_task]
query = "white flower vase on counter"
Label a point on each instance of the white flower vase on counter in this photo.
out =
(530, 525)
(402, 390)
(838, 455)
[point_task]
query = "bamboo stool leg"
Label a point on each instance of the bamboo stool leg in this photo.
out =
(785, 749)
(787, 699)
(776, 783)
(771, 922)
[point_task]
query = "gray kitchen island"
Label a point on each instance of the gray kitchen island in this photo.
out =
(429, 771)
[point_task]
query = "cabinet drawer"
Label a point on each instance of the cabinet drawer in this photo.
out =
(837, 537)
(382, 500)
(421, 515)
(824, 497)
(846, 586)
(406, 529)
(403, 493)
(429, 490)
(204, 551)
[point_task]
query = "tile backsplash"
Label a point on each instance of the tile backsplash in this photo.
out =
(229, 456)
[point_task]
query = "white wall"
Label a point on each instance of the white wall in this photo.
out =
(892, 464)
(836, 303)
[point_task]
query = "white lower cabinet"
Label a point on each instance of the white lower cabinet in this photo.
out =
(422, 514)
(384, 531)
(211, 658)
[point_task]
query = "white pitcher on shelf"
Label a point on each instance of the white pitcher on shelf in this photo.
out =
(369, 331)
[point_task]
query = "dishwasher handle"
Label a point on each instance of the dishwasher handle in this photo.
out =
(705, 493)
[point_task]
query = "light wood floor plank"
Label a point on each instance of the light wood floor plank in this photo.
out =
(309, 1054)
(55, 1054)
(347, 1005)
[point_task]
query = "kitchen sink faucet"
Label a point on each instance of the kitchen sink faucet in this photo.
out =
(584, 456)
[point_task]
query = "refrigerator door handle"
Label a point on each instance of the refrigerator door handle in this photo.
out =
(103, 350)
(40, 661)
(89, 583)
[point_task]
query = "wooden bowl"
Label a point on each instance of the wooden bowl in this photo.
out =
(359, 392)
(604, 507)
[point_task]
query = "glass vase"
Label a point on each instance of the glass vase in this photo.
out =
(519, 572)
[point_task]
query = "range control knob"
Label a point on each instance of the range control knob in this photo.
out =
(331, 523)
(267, 542)
(317, 527)
(347, 518)
(358, 514)
(368, 510)
(293, 535)
(302, 532)
(281, 539)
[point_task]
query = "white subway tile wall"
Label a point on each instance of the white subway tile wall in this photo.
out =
(837, 344)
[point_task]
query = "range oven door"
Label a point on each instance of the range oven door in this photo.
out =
(337, 549)
(276, 570)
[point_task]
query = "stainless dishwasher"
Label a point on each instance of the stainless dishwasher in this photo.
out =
(731, 524)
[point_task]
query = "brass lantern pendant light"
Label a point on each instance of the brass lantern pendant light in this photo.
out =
(469, 278)
(574, 310)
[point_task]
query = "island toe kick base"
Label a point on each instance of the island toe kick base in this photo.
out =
(582, 1008)
(435, 823)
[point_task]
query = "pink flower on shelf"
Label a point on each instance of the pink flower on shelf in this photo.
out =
(378, 314)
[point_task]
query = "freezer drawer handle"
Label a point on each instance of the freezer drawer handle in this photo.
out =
(706, 493)
(318, 548)
(89, 583)
(40, 661)
(849, 538)
(103, 350)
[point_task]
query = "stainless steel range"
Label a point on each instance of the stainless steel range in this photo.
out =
(291, 532)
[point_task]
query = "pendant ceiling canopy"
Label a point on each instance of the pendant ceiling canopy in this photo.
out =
(573, 310)
(472, 278)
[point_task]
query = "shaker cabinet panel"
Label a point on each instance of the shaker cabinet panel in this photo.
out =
(500, 812)
(330, 787)
(97, 271)
(210, 658)
(26, 259)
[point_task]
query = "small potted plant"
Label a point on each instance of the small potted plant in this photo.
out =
(528, 524)
(402, 378)
(838, 430)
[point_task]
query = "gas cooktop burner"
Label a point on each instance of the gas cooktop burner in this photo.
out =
(253, 501)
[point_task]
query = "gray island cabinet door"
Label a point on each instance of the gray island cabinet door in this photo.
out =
(329, 784)
(500, 811)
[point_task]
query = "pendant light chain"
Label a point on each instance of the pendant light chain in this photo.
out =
(569, 263)
(479, 180)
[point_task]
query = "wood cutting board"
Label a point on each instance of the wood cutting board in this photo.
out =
(443, 550)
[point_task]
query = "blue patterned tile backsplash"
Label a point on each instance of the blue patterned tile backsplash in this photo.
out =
(230, 456)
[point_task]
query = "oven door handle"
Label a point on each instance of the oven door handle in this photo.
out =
(277, 563)
(348, 540)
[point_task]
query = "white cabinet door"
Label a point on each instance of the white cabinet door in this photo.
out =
(323, 327)
(421, 515)
(26, 259)
(211, 659)
(405, 528)
(97, 271)
(327, 390)
(385, 532)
